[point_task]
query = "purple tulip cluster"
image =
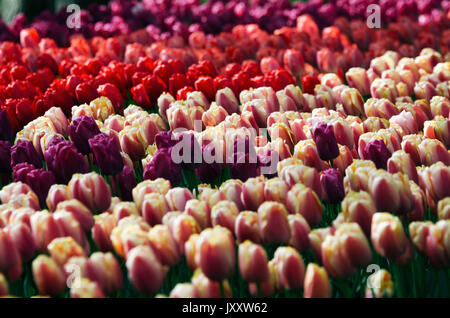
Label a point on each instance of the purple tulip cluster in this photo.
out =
(163, 18)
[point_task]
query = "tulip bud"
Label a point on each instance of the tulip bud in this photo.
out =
(214, 115)
(92, 190)
(438, 244)
(101, 231)
(424, 90)
(216, 251)
(124, 209)
(144, 270)
(357, 78)
(132, 143)
(316, 237)
(56, 194)
(391, 192)
(307, 152)
(182, 227)
(81, 130)
(358, 207)
(333, 185)
(299, 173)
(232, 189)
(106, 153)
(432, 151)
(273, 222)
(303, 200)
(379, 284)
(104, 268)
(208, 288)
(440, 105)
(289, 267)
(410, 144)
(377, 151)
(164, 244)
(80, 212)
(434, 179)
(176, 198)
(388, 236)
(22, 238)
(400, 161)
(44, 228)
(48, 276)
(317, 284)
(71, 227)
(345, 250)
(253, 262)
(275, 189)
(253, 193)
(63, 248)
(9, 255)
(190, 251)
(382, 108)
(266, 288)
(299, 232)
(246, 227)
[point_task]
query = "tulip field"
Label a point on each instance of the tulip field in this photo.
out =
(211, 149)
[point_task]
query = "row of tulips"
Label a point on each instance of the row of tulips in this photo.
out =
(163, 18)
(37, 74)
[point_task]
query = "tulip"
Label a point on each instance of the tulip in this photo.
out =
(377, 151)
(316, 284)
(382, 108)
(246, 227)
(190, 251)
(162, 166)
(56, 194)
(176, 198)
(303, 200)
(9, 255)
(293, 62)
(232, 189)
(69, 226)
(126, 182)
(199, 210)
(325, 140)
(435, 179)
(253, 262)
(23, 151)
(91, 190)
(208, 288)
(153, 208)
(115, 122)
(224, 213)
(333, 185)
(273, 222)
(388, 236)
(184, 290)
(357, 78)
(289, 267)
(359, 207)
(410, 144)
(438, 129)
(299, 173)
(59, 120)
(132, 143)
(105, 270)
(400, 161)
(379, 284)
(286, 102)
(44, 228)
(106, 153)
(182, 227)
(216, 253)
(48, 276)
(437, 244)
(22, 238)
(226, 99)
(443, 208)
(124, 209)
(440, 105)
(64, 160)
(300, 229)
(214, 115)
(345, 250)
(144, 270)
(63, 248)
(308, 153)
(432, 151)
(164, 245)
(101, 231)
(391, 192)
(384, 88)
(275, 189)
(79, 211)
(324, 97)
(85, 288)
(252, 195)
(424, 89)
(81, 130)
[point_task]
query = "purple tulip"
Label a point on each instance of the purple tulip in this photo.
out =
(24, 151)
(333, 185)
(5, 156)
(325, 140)
(243, 167)
(194, 153)
(63, 159)
(21, 170)
(106, 153)
(162, 166)
(40, 181)
(209, 172)
(126, 182)
(165, 139)
(5, 126)
(81, 130)
(377, 151)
